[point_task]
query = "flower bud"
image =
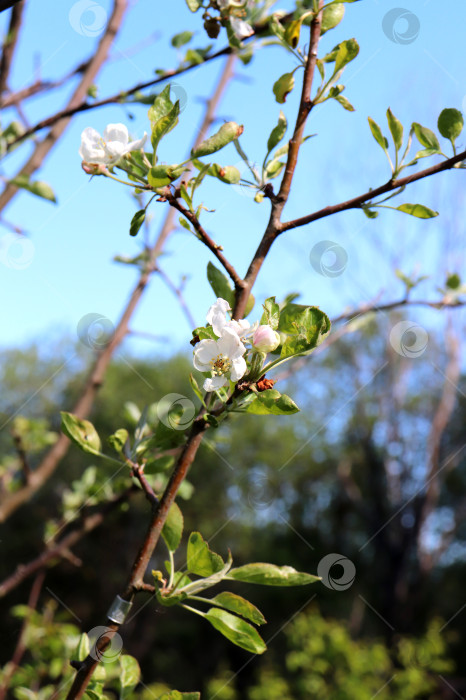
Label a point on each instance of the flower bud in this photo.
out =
(265, 339)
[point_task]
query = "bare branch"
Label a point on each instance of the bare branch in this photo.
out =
(10, 44)
(389, 186)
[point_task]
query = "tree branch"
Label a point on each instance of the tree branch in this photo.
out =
(44, 147)
(207, 240)
(273, 229)
(9, 45)
(389, 186)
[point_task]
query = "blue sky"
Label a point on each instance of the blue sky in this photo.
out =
(71, 272)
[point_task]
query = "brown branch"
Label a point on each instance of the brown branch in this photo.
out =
(185, 459)
(137, 472)
(60, 550)
(21, 644)
(207, 240)
(10, 44)
(367, 309)
(96, 62)
(389, 186)
(118, 98)
(39, 86)
(274, 226)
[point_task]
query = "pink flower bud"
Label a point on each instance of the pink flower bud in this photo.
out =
(94, 168)
(265, 339)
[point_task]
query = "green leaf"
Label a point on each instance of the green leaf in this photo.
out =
(453, 281)
(185, 224)
(220, 284)
(164, 125)
(377, 134)
(347, 51)
(130, 674)
(271, 402)
(332, 16)
(226, 134)
(424, 154)
(181, 39)
(370, 213)
(82, 650)
(193, 5)
(39, 188)
(450, 124)
(271, 315)
(273, 169)
(283, 86)
(173, 528)
(271, 575)
(249, 305)
(161, 175)
(396, 129)
(236, 630)
(200, 558)
(159, 464)
(305, 326)
(81, 432)
(241, 606)
(277, 133)
(118, 439)
(225, 173)
(293, 31)
(418, 210)
(161, 107)
(344, 103)
(426, 137)
(196, 389)
(136, 222)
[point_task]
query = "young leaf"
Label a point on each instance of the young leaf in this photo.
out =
(136, 222)
(331, 16)
(226, 134)
(396, 129)
(271, 315)
(418, 210)
(426, 137)
(306, 327)
(164, 125)
(450, 124)
(277, 133)
(118, 439)
(377, 134)
(225, 173)
(173, 528)
(293, 31)
(200, 558)
(347, 51)
(236, 630)
(161, 175)
(81, 432)
(241, 606)
(220, 284)
(181, 39)
(193, 5)
(271, 575)
(271, 402)
(283, 86)
(161, 107)
(130, 675)
(39, 188)
(345, 103)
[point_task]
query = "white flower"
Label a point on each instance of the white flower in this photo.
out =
(222, 357)
(110, 147)
(265, 339)
(217, 317)
(241, 29)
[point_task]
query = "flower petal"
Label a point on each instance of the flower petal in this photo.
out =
(230, 345)
(136, 145)
(116, 132)
(214, 383)
(217, 315)
(238, 369)
(204, 353)
(91, 145)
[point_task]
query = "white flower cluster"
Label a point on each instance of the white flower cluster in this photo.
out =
(224, 357)
(109, 148)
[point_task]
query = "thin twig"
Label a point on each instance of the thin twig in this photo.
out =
(138, 473)
(43, 148)
(355, 202)
(177, 291)
(9, 44)
(207, 240)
